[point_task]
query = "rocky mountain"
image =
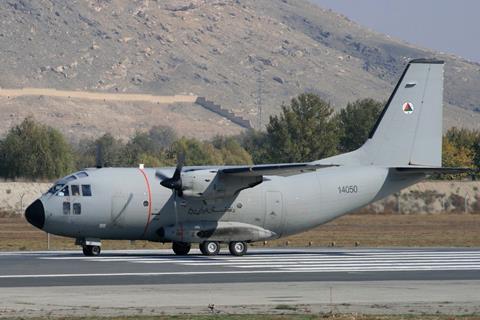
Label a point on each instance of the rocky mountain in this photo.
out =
(241, 54)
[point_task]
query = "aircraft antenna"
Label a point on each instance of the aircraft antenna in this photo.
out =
(98, 155)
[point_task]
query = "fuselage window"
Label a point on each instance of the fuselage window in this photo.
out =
(64, 192)
(77, 208)
(86, 190)
(75, 190)
(66, 208)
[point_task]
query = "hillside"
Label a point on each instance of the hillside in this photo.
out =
(234, 52)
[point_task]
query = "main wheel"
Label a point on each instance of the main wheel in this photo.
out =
(210, 248)
(91, 251)
(238, 248)
(181, 248)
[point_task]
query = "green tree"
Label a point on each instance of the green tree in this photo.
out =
(150, 148)
(466, 138)
(35, 151)
(356, 121)
(106, 150)
(305, 131)
(196, 152)
(456, 156)
(256, 144)
(231, 151)
(161, 138)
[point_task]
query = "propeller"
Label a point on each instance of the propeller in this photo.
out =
(174, 182)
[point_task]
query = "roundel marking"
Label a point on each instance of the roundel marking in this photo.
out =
(407, 108)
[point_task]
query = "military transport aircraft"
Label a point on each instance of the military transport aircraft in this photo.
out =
(237, 205)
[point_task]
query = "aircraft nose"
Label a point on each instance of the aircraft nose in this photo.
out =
(35, 214)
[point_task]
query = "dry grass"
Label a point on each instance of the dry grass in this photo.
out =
(462, 230)
(438, 230)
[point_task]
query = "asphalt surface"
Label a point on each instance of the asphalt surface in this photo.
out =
(71, 268)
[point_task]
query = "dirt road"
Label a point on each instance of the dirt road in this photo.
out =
(127, 97)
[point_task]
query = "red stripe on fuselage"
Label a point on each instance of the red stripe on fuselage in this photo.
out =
(149, 200)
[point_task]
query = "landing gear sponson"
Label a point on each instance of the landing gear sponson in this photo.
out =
(211, 248)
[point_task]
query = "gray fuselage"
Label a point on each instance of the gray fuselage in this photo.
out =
(129, 203)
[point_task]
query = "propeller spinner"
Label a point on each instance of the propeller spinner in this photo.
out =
(175, 182)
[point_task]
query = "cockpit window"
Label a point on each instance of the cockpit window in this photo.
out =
(70, 178)
(86, 190)
(75, 190)
(63, 192)
(82, 174)
(55, 188)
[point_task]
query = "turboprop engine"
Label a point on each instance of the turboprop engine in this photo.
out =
(209, 184)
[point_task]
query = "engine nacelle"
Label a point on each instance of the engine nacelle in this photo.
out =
(210, 184)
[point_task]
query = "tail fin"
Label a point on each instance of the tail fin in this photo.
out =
(409, 129)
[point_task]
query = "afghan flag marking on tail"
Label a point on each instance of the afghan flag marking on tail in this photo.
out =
(408, 108)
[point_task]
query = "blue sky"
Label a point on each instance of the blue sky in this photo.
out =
(443, 25)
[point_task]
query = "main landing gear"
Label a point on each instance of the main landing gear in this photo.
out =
(211, 248)
(237, 248)
(181, 248)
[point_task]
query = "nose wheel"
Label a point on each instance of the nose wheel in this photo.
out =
(91, 251)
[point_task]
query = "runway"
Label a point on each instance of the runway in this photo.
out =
(378, 281)
(61, 268)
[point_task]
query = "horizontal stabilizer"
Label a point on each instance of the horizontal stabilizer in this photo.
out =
(438, 170)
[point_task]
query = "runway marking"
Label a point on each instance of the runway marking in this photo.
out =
(339, 261)
(143, 274)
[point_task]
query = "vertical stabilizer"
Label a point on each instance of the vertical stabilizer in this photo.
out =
(409, 129)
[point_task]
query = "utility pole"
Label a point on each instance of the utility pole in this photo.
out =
(259, 100)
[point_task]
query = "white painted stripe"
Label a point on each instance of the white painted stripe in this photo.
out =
(347, 256)
(340, 264)
(266, 258)
(186, 273)
(360, 265)
(374, 268)
(330, 260)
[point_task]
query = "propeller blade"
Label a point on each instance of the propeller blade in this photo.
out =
(160, 175)
(178, 169)
(175, 182)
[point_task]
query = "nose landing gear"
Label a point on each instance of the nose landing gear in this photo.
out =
(91, 251)
(90, 247)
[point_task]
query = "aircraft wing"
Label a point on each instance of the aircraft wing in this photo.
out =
(273, 169)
